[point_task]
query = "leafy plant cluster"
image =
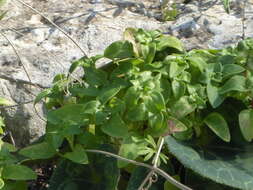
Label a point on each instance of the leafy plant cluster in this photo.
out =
(200, 101)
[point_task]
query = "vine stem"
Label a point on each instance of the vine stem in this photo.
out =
(157, 170)
(151, 173)
(55, 25)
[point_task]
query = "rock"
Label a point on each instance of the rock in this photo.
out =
(45, 51)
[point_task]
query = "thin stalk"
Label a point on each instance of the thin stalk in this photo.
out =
(55, 25)
(157, 170)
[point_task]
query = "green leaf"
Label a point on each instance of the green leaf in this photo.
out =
(95, 77)
(176, 125)
(42, 95)
(226, 4)
(235, 83)
(129, 149)
(178, 88)
(78, 155)
(100, 174)
(213, 95)
(107, 93)
(164, 42)
(231, 69)
(72, 113)
(155, 102)
(18, 172)
(1, 183)
(246, 124)
(17, 185)
(5, 102)
(218, 125)
(157, 125)
(148, 52)
(119, 49)
(38, 151)
(76, 64)
(137, 113)
(182, 107)
(115, 127)
(222, 163)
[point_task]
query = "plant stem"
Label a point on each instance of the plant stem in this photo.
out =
(157, 170)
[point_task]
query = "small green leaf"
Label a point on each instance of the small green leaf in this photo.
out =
(178, 88)
(182, 107)
(155, 102)
(76, 64)
(157, 125)
(18, 172)
(246, 124)
(78, 155)
(119, 49)
(236, 83)
(213, 95)
(164, 42)
(42, 95)
(38, 151)
(129, 149)
(231, 69)
(137, 113)
(218, 125)
(107, 93)
(95, 77)
(226, 4)
(115, 127)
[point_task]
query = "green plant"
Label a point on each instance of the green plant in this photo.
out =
(12, 173)
(151, 90)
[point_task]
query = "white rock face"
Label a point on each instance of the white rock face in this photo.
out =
(45, 51)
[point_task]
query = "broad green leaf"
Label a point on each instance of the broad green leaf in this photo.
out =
(182, 107)
(246, 124)
(164, 42)
(131, 96)
(78, 155)
(151, 53)
(82, 91)
(137, 113)
(115, 127)
(42, 95)
(119, 49)
(38, 151)
(17, 185)
(178, 88)
(235, 83)
(95, 77)
(72, 113)
(222, 163)
(18, 172)
(155, 102)
(129, 149)
(157, 125)
(5, 102)
(218, 125)
(100, 174)
(231, 69)
(107, 93)
(215, 99)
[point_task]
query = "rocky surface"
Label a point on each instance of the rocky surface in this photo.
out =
(94, 24)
